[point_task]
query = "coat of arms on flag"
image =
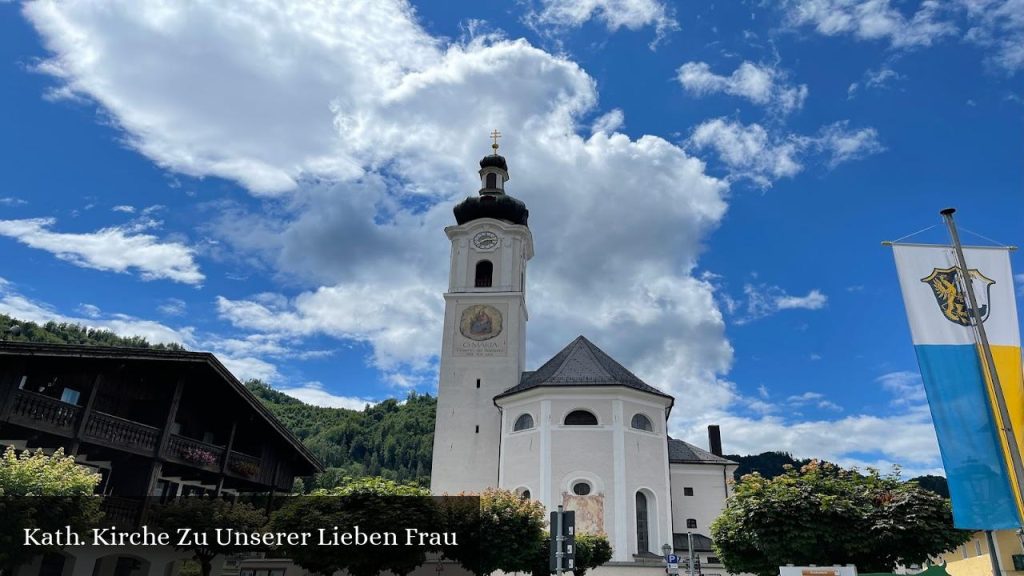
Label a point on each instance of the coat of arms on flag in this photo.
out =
(952, 300)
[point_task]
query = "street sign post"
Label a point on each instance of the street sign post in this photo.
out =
(563, 541)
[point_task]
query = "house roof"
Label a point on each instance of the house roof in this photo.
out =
(701, 543)
(680, 452)
(150, 354)
(581, 363)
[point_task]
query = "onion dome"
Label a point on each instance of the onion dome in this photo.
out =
(492, 201)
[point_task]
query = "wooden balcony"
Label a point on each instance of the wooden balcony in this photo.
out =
(244, 466)
(44, 413)
(48, 414)
(121, 433)
(193, 452)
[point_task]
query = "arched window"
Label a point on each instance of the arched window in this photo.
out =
(525, 494)
(643, 536)
(641, 422)
(580, 418)
(524, 422)
(581, 488)
(492, 180)
(484, 271)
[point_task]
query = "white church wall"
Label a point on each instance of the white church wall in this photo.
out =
(646, 468)
(710, 484)
(613, 459)
(521, 451)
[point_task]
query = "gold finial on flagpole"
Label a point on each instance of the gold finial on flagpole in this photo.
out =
(495, 134)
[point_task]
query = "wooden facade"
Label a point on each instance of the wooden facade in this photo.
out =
(153, 422)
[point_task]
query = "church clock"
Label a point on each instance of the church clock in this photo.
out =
(485, 240)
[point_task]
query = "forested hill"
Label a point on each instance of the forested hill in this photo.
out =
(15, 330)
(391, 438)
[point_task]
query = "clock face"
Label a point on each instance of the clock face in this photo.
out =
(485, 240)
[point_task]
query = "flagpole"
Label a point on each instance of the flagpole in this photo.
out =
(987, 360)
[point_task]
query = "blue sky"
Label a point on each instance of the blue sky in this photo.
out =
(708, 183)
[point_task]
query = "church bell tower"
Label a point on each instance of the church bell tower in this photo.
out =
(483, 350)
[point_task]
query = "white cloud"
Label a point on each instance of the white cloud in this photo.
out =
(614, 14)
(292, 66)
(314, 393)
(875, 79)
(402, 325)
(761, 84)
(874, 20)
(239, 357)
(609, 122)
(999, 26)
(11, 201)
(89, 310)
(804, 398)
(814, 300)
(843, 145)
(907, 438)
(15, 304)
(996, 25)
(764, 300)
(117, 249)
(751, 152)
(880, 78)
(124, 208)
(173, 307)
(249, 367)
(906, 387)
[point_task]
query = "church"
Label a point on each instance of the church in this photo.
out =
(580, 431)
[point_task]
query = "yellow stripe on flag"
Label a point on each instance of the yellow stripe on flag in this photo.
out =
(1011, 381)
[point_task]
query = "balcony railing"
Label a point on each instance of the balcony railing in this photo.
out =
(194, 452)
(36, 409)
(121, 512)
(122, 433)
(244, 465)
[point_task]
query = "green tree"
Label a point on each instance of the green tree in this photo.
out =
(375, 505)
(822, 514)
(592, 550)
(205, 515)
(511, 530)
(45, 492)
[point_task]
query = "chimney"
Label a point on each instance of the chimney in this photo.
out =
(714, 440)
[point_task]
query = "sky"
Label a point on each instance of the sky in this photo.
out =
(709, 185)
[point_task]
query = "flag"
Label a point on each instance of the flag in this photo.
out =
(974, 450)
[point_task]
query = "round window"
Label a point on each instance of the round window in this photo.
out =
(581, 488)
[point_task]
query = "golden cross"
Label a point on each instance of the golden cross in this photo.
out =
(495, 134)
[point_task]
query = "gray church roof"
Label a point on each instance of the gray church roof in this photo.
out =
(701, 543)
(680, 452)
(581, 363)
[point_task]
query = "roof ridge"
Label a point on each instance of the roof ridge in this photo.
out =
(580, 346)
(699, 454)
(590, 366)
